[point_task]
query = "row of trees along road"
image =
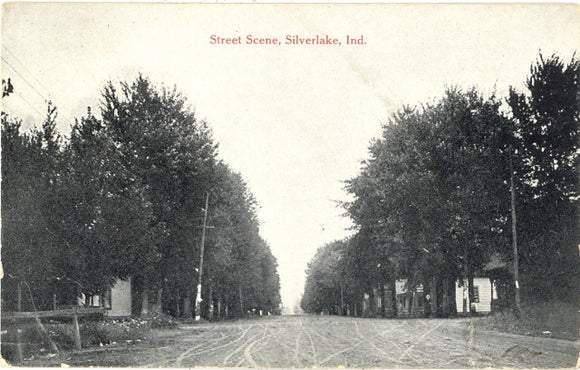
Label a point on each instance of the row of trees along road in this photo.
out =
(432, 204)
(124, 197)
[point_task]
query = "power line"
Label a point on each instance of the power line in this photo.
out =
(25, 80)
(47, 101)
(31, 106)
(26, 69)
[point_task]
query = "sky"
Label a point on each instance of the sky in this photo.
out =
(295, 120)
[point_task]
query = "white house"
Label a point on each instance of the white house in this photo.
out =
(119, 299)
(484, 293)
(116, 300)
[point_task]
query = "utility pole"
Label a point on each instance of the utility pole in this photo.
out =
(200, 270)
(514, 238)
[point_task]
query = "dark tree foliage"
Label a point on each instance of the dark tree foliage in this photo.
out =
(429, 203)
(124, 198)
(241, 272)
(325, 288)
(102, 215)
(30, 252)
(546, 119)
(432, 204)
(170, 155)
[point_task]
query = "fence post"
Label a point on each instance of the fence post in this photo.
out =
(19, 356)
(77, 332)
(19, 303)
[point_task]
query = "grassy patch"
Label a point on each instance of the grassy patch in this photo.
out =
(553, 319)
(102, 332)
(31, 340)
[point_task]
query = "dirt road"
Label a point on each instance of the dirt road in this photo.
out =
(324, 341)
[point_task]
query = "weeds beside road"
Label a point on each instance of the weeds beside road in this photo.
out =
(325, 341)
(60, 333)
(555, 320)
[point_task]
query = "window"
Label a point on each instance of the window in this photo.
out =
(94, 301)
(476, 294)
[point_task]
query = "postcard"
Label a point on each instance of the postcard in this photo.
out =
(290, 185)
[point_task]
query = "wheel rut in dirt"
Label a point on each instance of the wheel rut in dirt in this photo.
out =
(328, 341)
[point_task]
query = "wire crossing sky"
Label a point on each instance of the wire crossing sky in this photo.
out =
(295, 116)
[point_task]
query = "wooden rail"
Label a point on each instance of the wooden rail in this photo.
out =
(69, 312)
(37, 315)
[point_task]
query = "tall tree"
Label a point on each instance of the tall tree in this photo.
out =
(241, 270)
(171, 155)
(30, 167)
(328, 288)
(546, 119)
(102, 216)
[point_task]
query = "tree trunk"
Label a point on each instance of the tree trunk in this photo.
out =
(341, 299)
(452, 301)
(372, 303)
(187, 303)
(394, 307)
(210, 303)
(144, 302)
(158, 302)
(383, 301)
(445, 303)
(241, 301)
(464, 297)
(434, 300)
(471, 294)
(219, 308)
(493, 297)
(415, 304)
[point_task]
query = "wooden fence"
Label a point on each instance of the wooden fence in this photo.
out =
(73, 313)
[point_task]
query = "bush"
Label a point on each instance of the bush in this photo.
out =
(111, 331)
(62, 334)
(159, 320)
